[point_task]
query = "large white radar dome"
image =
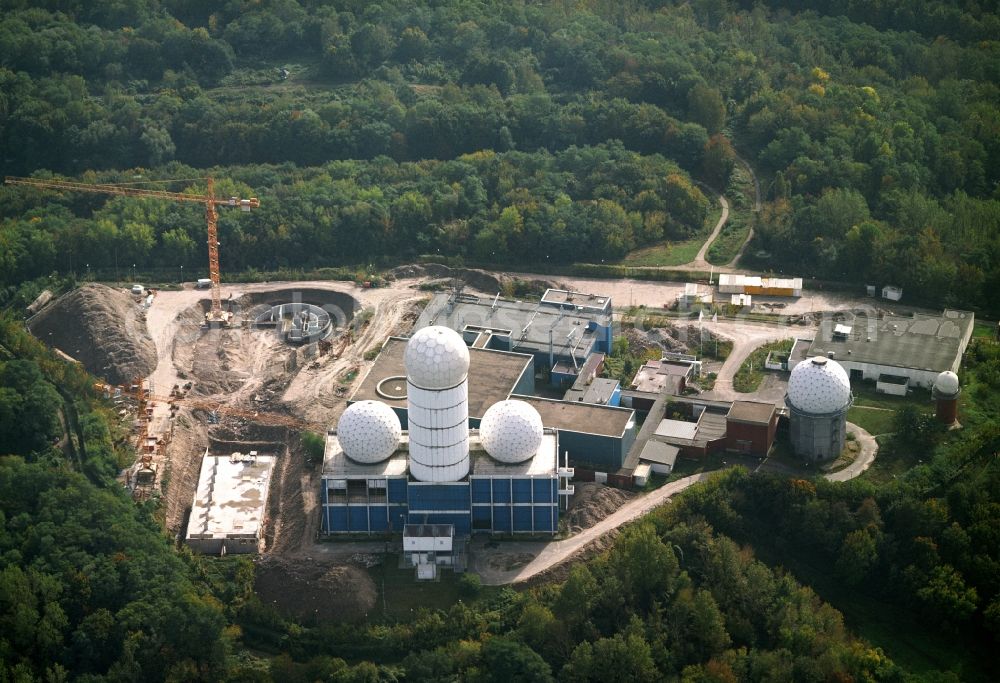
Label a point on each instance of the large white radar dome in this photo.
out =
(436, 357)
(946, 384)
(511, 431)
(819, 386)
(369, 431)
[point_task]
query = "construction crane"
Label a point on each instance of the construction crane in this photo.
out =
(216, 314)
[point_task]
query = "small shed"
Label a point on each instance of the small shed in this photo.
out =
(892, 293)
(660, 457)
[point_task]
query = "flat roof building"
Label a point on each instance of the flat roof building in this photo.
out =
(597, 435)
(920, 347)
(230, 503)
(495, 376)
(732, 283)
(561, 327)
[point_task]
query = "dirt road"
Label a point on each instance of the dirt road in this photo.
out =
(548, 555)
(699, 262)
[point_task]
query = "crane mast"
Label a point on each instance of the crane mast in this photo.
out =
(215, 314)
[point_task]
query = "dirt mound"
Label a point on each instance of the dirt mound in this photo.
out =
(307, 589)
(477, 279)
(591, 503)
(101, 327)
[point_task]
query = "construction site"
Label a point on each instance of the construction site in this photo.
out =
(217, 384)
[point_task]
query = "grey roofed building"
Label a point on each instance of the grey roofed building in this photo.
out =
(549, 330)
(662, 456)
(919, 347)
(752, 412)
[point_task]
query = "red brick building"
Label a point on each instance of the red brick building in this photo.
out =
(750, 428)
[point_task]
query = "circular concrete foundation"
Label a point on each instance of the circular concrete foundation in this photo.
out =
(296, 322)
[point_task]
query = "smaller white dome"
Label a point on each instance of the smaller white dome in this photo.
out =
(511, 431)
(436, 357)
(369, 431)
(819, 386)
(946, 383)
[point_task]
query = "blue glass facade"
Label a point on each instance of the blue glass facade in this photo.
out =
(481, 504)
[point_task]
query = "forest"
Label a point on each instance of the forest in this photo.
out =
(501, 133)
(91, 590)
(514, 134)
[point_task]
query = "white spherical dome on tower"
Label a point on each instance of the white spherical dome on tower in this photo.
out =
(511, 431)
(436, 357)
(819, 386)
(946, 384)
(369, 431)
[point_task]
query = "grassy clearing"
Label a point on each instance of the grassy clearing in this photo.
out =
(729, 241)
(865, 395)
(875, 421)
(984, 329)
(400, 595)
(675, 253)
(664, 254)
(748, 377)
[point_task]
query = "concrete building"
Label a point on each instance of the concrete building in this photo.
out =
(694, 294)
(919, 348)
(892, 293)
(562, 327)
(818, 398)
(230, 504)
(501, 478)
(730, 283)
(670, 374)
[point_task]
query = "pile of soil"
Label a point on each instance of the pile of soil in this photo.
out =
(101, 327)
(591, 503)
(307, 589)
(471, 277)
(683, 339)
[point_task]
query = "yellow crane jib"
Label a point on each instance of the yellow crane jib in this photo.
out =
(215, 314)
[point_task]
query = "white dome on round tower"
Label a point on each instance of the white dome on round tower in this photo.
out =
(819, 386)
(369, 431)
(511, 431)
(436, 357)
(946, 384)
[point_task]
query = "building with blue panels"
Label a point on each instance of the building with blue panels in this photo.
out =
(496, 497)
(562, 327)
(597, 436)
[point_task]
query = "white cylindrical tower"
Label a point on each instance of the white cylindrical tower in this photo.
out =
(818, 398)
(437, 402)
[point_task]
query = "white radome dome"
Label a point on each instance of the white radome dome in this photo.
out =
(369, 431)
(819, 386)
(436, 357)
(946, 383)
(511, 431)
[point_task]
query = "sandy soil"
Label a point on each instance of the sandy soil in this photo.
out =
(103, 328)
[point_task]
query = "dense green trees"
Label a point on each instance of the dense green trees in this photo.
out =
(830, 105)
(89, 586)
